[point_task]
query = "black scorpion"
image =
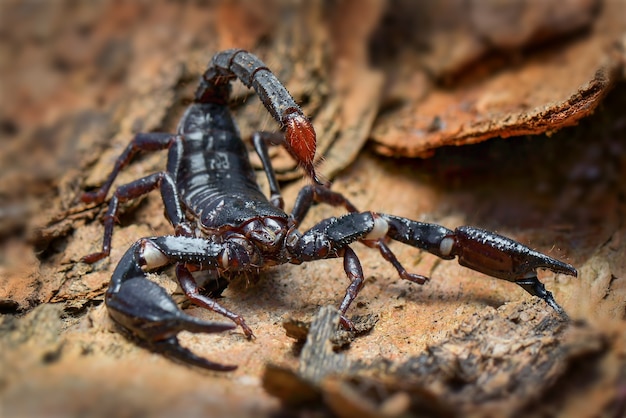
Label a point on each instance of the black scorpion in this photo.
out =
(224, 224)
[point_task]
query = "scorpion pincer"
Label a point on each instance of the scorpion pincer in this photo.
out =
(225, 225)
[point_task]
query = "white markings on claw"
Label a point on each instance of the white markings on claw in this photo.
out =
(153, 256)
(381, 227)
(445, 246)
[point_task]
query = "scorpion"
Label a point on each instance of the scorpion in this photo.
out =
(225, 225)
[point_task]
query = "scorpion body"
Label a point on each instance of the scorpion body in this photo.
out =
(224, 224)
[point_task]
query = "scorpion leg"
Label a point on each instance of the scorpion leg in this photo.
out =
(261, 140)
(137, 188)
(165, 180)
(354, 271)
(313, 193)
(149, 313)
(191, 289)
(330, 238)
(152, 141)
(236, 63)
(133, 190)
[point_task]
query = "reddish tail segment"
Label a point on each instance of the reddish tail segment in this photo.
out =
(227, 65)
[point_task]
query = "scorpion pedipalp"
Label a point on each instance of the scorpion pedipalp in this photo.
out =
(150, 314)
(502, 257)
(483, 251)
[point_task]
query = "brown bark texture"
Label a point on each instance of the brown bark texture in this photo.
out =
(506, 116)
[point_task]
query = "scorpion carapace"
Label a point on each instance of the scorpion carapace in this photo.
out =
(224, 224)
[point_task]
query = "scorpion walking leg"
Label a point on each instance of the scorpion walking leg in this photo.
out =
(141, 142)
(330, 238)
(135, 189)
(312, 194)
(261, 140)
(149, 313)
(354, 271)
(388, 255)
(317, 194)
(190, 287)
(166, 180)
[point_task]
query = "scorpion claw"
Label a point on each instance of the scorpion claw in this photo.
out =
(507, 259)
(172, 349)
(147, 311)
(502, 257)
(533, 286)
(484, 251)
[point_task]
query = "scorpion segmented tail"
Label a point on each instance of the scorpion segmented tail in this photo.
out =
(236, 63)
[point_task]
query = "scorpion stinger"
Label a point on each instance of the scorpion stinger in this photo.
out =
(224, 225)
